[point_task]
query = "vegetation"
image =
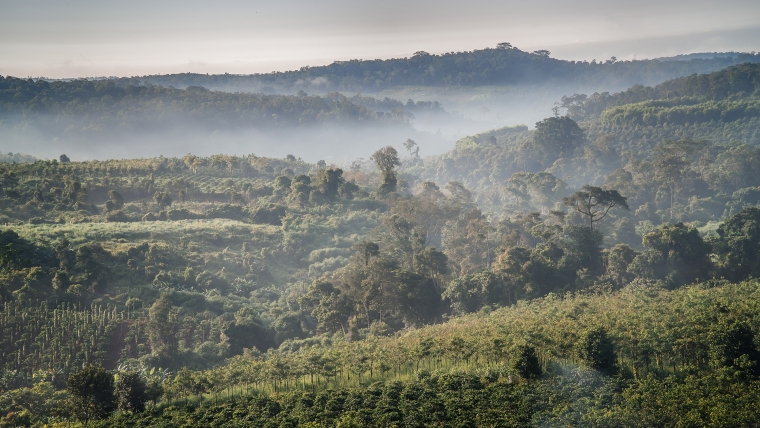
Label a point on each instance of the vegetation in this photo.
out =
(96, 109)
(560, 276)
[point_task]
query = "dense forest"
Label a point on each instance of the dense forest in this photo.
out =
(598, 270)
(95, 108)
(675, 159)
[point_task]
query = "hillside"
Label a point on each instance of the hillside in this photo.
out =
(640, 355)
(685, 149)
(490, 87)
(106, 119)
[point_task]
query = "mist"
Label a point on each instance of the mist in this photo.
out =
(336, 144)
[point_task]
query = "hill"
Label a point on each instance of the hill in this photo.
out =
(491, 87)
(706, 125)
(503, 66)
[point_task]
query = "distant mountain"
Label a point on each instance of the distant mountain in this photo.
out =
(502, 66)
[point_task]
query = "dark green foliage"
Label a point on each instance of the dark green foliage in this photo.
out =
(739, 243)
(282, 185)
(92, 393)
(287, 326)
(554, 138)
(525, 362)
(329, 182)
(618, 260)
(470, 292)
(719, 85)
(268, 215)
(248, 331)
(115, 199)
(733, 345)
(130, 391)
(367, 250)
(581, 249)
(162, 199)
(683, 252)
(233, 212)
(163, 329)
(92, 107)
(596, 350)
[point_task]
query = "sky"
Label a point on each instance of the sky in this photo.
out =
(88, 38)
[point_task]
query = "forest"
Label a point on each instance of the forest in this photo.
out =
(599, 269)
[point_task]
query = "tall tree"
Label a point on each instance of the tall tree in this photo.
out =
(595, 203)
(673, 161)
(387, 160)
(162, 329)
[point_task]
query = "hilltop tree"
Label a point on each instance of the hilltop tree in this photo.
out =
(192, 162)
(595, 203)
(300, 189)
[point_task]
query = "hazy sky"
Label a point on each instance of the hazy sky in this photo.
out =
(77, 38)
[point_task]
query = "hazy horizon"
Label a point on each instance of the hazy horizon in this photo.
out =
(87, 39)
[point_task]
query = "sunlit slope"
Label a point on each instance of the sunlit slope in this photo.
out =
(641, 354)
